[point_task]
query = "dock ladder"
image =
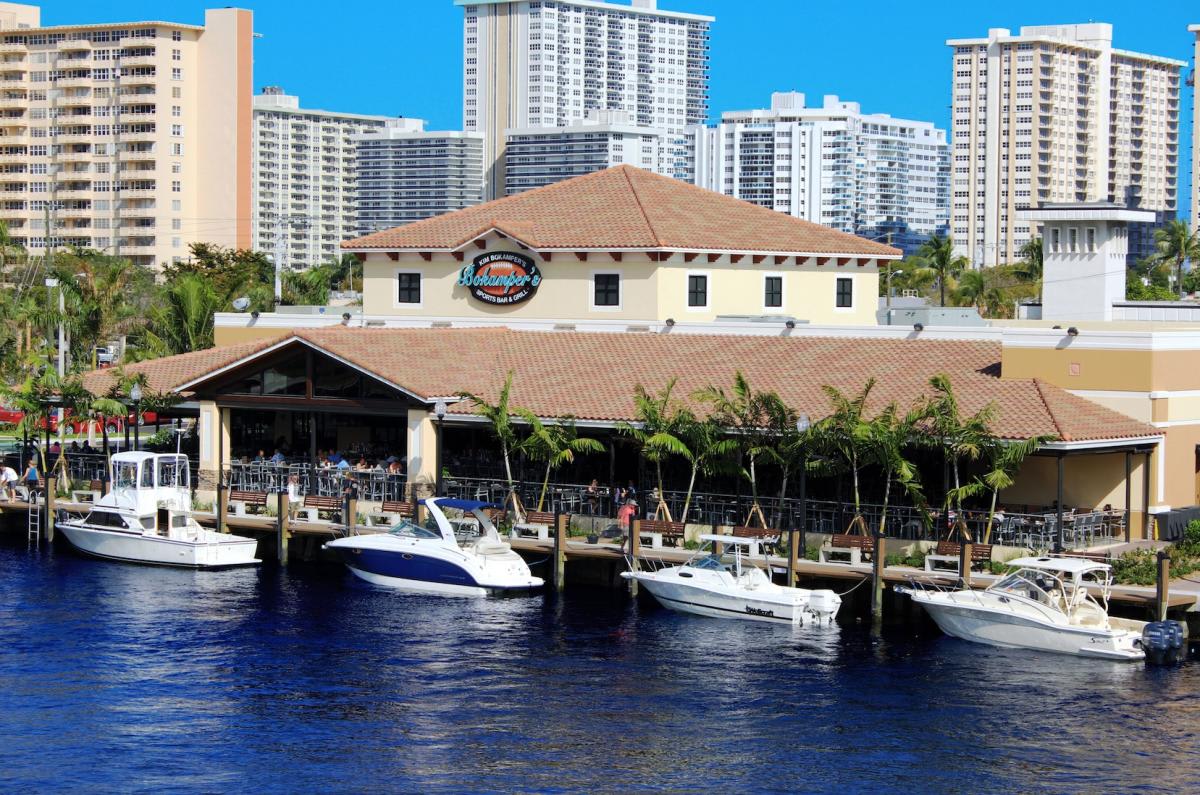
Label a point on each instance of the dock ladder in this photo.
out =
(34, 526)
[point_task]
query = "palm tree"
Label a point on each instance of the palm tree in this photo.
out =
(33, 397)
(1176, 243)
(556, 444)
(183, 322)
(889, 435)
(961, 438)
(937, 255)
(1030, 267)
(99, 290)
(1005, 460)
(745, 413)
(500, 416)
(708, 448)
(971, 288)
(844, 435)
(658, 420)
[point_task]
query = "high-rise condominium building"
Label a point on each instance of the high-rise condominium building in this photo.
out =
(541, 155)
(868, 174)
(406, 174)
(130, 138)
(1056, 114)
(304, 177)
(1195, 215)
(546, 63)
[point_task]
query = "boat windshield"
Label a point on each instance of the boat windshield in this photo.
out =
(125, 475)
(410, 530)
(1038, 586)
(173, 473)
(707, 562)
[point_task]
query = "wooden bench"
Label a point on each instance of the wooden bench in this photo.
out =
(764, 537)
(240, 500)
(537, 525)
(93, 492)
(314, 504)
(948, 552)
(854, 547)
(660, 531)
(390, 513)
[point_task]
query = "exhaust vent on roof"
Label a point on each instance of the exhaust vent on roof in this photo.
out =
(564, 326)
(638, 328)
(440, 324)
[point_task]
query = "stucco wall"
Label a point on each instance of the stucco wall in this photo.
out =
(1089, 481)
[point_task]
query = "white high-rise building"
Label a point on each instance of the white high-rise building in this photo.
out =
(129, 138)
(547, 63)
(868, 174)
(304, 177)
(1195, 216)
(1057, 115)
(541, 155)
(406, 174)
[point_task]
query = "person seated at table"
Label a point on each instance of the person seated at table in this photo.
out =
(361, 465)
(393, 467)
(278, 457)
(593, 495)
(74, 448)
(87, 447)
(245, 460)
(261, 458)
(341, 463)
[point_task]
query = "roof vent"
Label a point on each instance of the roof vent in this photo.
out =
(375, 323)
(564, 326)
(440, 324)
(638, 328)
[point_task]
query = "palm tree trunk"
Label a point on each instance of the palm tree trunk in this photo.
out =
(545, 485)
(658, 472)
(782, 492)
(687, 501)
(987, 534)
(887, 493)
(854, 467)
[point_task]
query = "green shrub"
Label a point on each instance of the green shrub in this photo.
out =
(812, 553)
(1136, 567)
(1191, 538)
(693, 545)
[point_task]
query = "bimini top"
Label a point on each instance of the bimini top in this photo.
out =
(462, 505)
(1068, 565)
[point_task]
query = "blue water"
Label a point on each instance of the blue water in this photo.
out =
(123, 678)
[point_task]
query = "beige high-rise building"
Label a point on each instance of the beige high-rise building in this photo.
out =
(131, 138)
(1195, 214)
(1053, 115)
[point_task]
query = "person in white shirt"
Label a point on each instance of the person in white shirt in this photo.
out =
(8, 482)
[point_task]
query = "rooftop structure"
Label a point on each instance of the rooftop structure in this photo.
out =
(1057, 114)
(304, 177)
(131, 138)
(868, 174)
(549, 62)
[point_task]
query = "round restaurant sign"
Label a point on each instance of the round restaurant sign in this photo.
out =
(501, 277)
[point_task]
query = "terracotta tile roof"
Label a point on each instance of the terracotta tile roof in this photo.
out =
(163, 375)
(592, 375)
(625, 208)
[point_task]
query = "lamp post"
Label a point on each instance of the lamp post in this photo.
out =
(439, 412)
(803, 424)
(135, 394)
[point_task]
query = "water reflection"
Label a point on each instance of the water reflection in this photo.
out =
(308, 679)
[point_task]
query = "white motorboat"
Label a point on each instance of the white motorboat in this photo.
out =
(146, 518)
(434, 560)
(708, 586)
(1054, 604)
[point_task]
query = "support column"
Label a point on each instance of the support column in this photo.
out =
(1146, 527)
(1058, 541)
(222, 506)
(1162, 589)
(212, 450)
(422, 450)
(312, 452)
(1128, 494)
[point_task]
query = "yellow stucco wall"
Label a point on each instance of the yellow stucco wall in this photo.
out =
(1104, 369)
(225, 335)
(1089, 481)
(650, 291)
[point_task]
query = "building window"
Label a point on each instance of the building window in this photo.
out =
(408, 288)
(1089, 236)
(1073, 240)
(697, 290)
(773, 291)
(1055, 239)
(606, 289)
(845, 293)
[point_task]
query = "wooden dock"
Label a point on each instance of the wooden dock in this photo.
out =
(312, 534)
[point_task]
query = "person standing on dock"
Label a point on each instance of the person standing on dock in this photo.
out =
(31, 478)
(8, 482)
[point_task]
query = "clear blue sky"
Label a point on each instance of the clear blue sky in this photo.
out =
(405, 57)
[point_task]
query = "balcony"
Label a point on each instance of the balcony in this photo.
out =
(136, 155)
(139, 60)
(73, 82)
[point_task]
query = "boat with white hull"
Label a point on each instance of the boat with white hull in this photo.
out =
(146, 518)
(434, 560)
(1048, 604)
(705, 585)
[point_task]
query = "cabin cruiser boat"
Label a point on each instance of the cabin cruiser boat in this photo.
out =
(146, 518)
(1055, 604)
(707, 586)
(433, 560)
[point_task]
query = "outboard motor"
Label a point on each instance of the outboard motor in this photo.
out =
(1163, 642)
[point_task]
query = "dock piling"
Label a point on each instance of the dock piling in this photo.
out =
(282, 522)
(793, 556)
(877, 560)
(559, 570)
(222, 508)
(635, 551)
(965, 551)
(1162, 587)
(51, 495)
